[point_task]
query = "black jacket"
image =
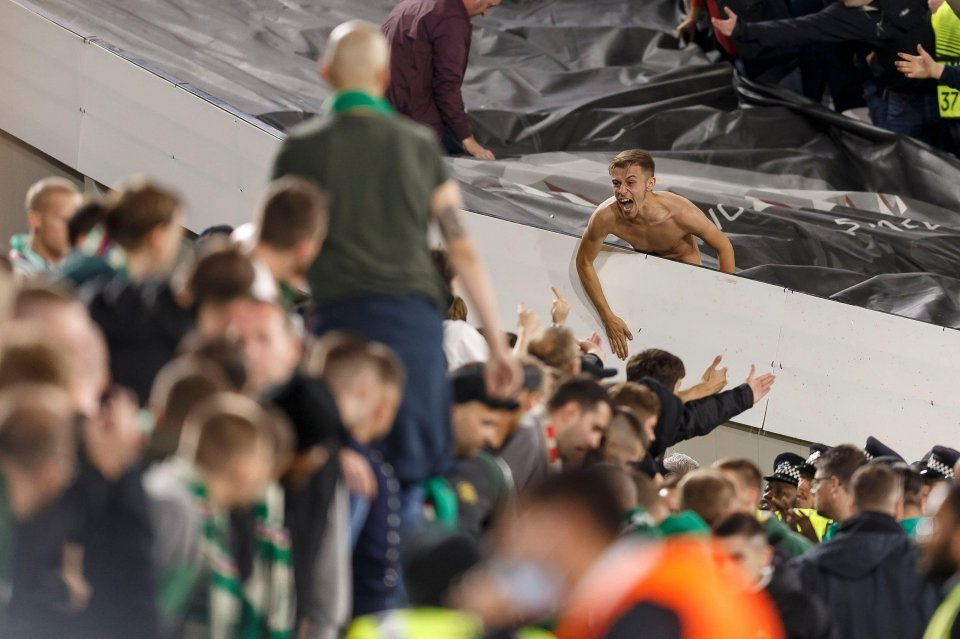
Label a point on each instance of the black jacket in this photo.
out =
(679, 422)
(804, 616)
(143, 326)
(869, 578)
(109, 520)
(886, 26)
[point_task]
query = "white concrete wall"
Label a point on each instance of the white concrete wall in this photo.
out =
(20, 167)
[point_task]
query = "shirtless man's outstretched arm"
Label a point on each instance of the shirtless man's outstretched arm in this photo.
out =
(601, 224)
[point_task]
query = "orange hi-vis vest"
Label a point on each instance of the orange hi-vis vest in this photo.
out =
(682, 575)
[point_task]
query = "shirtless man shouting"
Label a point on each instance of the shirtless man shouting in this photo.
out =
(661, 224)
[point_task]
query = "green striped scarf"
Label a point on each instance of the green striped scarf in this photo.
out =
(261, 608)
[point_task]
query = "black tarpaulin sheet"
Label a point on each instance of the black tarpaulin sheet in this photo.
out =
(812, 200)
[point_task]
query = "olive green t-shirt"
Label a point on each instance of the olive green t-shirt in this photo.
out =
(380, 172)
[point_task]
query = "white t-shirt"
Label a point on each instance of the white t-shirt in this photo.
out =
(463, 344)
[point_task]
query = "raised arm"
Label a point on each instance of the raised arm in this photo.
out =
(692, 220)
(503, 370)
(617, 330)
(835, 23)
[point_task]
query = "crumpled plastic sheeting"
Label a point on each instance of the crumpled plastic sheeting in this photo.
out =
(876, 250)
(812, 201)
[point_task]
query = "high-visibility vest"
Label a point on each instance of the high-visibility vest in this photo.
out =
(415, 623)
(941, 623)
(820, 523)
(946, 31)
(682, 575)
(427, 623)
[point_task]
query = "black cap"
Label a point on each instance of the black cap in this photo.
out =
(786, 468)
(470, 385)
(939, 464)
(593, 366)
(876, 448)
(308, 404)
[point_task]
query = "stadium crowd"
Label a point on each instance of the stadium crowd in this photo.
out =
(897, 58)
(193, 446)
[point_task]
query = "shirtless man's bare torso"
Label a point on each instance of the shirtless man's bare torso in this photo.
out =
(661, 224)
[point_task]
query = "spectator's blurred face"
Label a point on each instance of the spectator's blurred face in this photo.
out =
(270, 348)
(631, 186)
(824, 490)
(856, 3)
(474, 428)
(579, 431)
(386, 412)
(50, 226)
(621, 445)
(746, 496)
(171, 239)
(252, 472)
(751, 554)
(510, 419)
(780, 496)
(941, 553)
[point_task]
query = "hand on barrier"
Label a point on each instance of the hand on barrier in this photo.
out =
(113, 438)
(471, 146)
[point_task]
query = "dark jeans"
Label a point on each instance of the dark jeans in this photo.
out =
(914, 115)
(419, 445)
(451, 144)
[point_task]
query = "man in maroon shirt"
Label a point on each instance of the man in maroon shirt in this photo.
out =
(429, 46)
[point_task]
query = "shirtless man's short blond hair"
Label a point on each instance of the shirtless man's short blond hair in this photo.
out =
(633, 157)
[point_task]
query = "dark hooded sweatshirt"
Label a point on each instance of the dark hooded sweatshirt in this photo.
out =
(869, 578)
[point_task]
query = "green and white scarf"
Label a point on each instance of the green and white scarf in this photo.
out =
(261, 608)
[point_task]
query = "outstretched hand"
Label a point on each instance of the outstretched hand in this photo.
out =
(919, 66)
(715, 377)
(618, 333)
(725, 27)
(760, 385)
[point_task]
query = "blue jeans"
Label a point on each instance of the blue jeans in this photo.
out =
(914, 115)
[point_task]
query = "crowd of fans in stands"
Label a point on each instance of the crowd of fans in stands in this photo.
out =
(190, 446)
(898, 58)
